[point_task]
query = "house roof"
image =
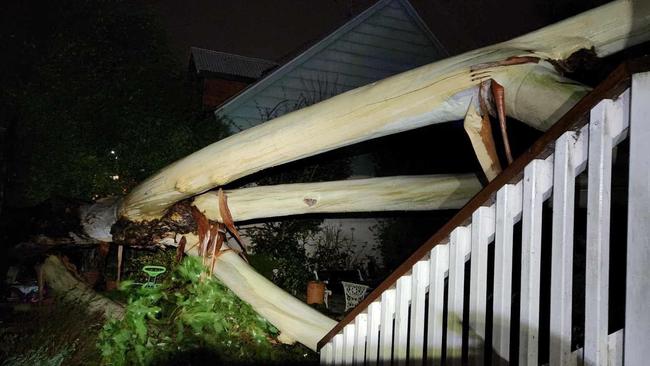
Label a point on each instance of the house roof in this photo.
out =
(215, 62)
(387, 38)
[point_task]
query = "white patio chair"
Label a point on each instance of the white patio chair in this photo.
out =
(328, 293)
(354, 293)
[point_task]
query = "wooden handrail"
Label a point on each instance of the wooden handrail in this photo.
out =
(615, 83)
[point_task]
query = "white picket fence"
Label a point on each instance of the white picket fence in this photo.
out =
(409, 323)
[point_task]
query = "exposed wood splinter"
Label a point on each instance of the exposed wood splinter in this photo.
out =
(500, 101)
(229, 223)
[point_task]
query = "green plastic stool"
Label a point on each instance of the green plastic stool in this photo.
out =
(153, 272)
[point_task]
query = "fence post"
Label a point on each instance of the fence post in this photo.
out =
(598, 222)
(637, 298)
(538, 176)
(562, 246)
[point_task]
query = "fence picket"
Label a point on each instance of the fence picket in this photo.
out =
(537, 183)
(637, 295)
(372, 335)
(402, 301)
(360, 329)
(458, 249)
(386, 336)
(438, 266)
(337, 349)
(326, 355)
(483, 226)
(419, 283)
(507, 208)
(348, 344)
(615, 349)
(597, 258)
(562, 244)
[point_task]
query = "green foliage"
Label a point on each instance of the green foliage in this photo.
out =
(188, 314)
(103, 104)
(282, 243)
(136, 259)
(281, 251)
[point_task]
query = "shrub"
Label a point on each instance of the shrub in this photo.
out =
(188, 315)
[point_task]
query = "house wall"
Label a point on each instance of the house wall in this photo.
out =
(217, 91)
(384, 41)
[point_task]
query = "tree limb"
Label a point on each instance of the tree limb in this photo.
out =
(402, 193)
(439, 92)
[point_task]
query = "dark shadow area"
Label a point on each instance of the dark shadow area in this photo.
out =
(545, 283)
(579, 269)
(618, 237)
(489, 310)
(445, 320)
(466, 298)
(516, 291)
(206, 356)
(426, 321)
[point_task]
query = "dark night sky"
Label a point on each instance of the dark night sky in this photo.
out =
(281, 28)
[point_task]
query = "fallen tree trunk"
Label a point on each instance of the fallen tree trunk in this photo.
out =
(535, 93)
(73, 290)
(296, 320)
(404, 193)
(401, 193)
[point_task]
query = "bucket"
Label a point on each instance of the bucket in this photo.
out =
(315, 292)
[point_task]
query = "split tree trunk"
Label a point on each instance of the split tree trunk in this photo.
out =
(439, 92)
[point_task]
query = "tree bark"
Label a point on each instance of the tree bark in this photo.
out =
(73, 290)
(296, 320)
(403, 193)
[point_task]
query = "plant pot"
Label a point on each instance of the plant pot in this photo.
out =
(91, 277)
(315, 292)
(111, 285)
